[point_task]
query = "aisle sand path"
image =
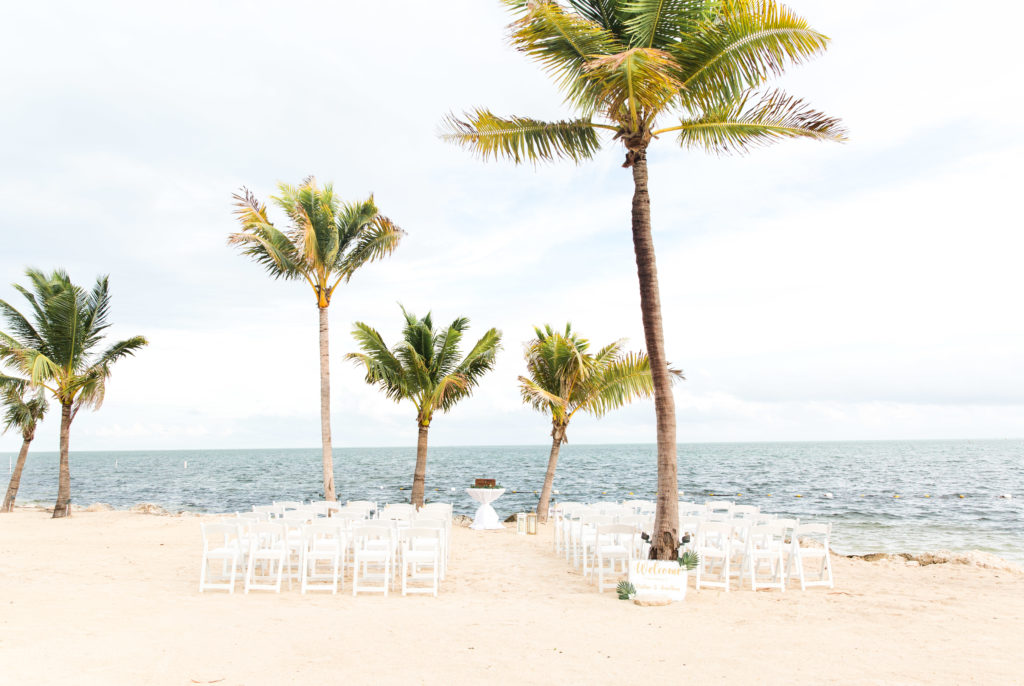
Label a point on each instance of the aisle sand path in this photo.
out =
(111, 598)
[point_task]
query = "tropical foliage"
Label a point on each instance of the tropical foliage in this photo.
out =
(638, 71)
(564, 378)
(58, 349)
(425, 367)
(23, 410)
(325, 243)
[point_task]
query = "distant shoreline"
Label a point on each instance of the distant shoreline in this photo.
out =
(545, 446)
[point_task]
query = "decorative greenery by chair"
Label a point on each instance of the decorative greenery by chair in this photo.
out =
(689, 559)
(424, 367)
(326, 243)
(625, 590)
(56, 349)
(638, 70)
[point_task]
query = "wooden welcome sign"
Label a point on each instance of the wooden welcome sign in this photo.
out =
(658, 577)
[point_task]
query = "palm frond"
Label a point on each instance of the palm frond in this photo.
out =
(740, 47)
(736, 128)
(376, 241)
(522, 139)
(620, 382)
(661, 23)
(538, 398)
(562, 42)
(262, 241)
(608, 14)
(638, 81)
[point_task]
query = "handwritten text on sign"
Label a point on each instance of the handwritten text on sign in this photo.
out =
(658, 577)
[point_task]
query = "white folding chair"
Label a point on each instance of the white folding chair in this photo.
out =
(745, 511)
(429, 520)
(281, 505)
(267, 510)
(322, 543)
(692, 510)
(718, 510)
(221, 541)
(324, 508)
(268, 555)
(588, 538)
(764, 557)
(613, 543)
(373, 547)
(421, 548)
(714, 546)
(803, 550)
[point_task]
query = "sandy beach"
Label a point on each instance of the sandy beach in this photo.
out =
(111, 598)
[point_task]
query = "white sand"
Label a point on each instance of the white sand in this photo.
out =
(111, 598)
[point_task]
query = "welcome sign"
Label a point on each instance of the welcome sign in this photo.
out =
(658, 577)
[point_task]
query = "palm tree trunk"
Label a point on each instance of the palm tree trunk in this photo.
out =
(664, 541)
(12, 488)
(63, 506)
(557, 435)
(419, 477)
(325, 407)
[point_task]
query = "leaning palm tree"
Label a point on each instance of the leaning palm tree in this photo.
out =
(325, 243)
(424, 367)
(23, 410)
(564, 378)
(56, 351)
(639, 70)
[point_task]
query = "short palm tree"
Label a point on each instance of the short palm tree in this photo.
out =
(57, 351)
(325, 243)
(425, 367)
(23, 410)
(639, 70)
(565, 378)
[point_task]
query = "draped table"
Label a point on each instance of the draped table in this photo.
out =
(485, 517)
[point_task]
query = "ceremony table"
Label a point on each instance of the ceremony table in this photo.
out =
(485, 517)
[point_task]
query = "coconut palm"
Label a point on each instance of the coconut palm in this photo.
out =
(565, 378)
(424, 367)
(325, 243)
(638, 70)
(23, 410)
(57, 351)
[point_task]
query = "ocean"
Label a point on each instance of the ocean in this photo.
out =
(863, 479)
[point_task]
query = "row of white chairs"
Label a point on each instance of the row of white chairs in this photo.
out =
(733, 541)
(268, 544)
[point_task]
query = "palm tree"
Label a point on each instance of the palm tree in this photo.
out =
(564, 378)
(325, 243)
(23, 412)
(424, 367)
(56, 351)
(627, 66)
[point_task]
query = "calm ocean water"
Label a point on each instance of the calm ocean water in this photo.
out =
(928, 476)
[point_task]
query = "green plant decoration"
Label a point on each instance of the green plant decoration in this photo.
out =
(625, 590)
(689, 559)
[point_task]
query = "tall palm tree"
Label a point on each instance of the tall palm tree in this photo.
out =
(564, 378)
(424, 367)
(325, 243)
(57, 351)
(638, 70)
(23, 411)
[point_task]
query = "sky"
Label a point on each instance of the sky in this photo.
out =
(810, 291)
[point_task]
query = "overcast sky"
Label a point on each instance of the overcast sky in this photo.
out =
(810, 291)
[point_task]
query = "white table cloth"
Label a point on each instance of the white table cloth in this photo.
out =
(485, 517)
